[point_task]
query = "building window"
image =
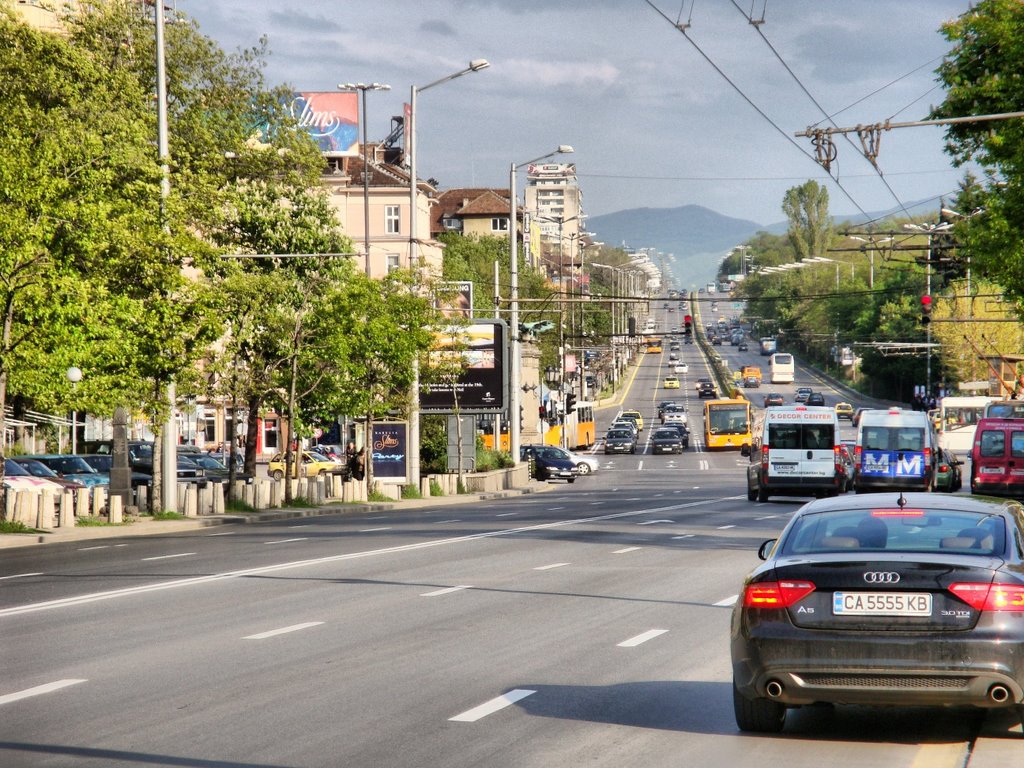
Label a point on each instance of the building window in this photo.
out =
(394, 262)
(451, 222)
(499, 224)
(392, 222)
(270, 433)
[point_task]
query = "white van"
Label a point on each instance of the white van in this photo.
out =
(895, 450)
(795, 452)
(781, 368)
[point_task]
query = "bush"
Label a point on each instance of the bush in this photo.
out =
(411, 492)
(435, 488)
(488, 460)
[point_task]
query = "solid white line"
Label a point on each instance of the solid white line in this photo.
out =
(168, 557)
(446, 590)
(766, 517)
(285, 541)
(283, 630)
(300, 525)
(374, 530)
(225, 533)
(21, 575)
(86, 549)
(652, 522)
(549, 567)
(442, 522)
(318, 561)
(492, 706)
(596, 502)
(39, 689)
(640, 465)
(684, 536)
(642, 638)
(725, 527)
(624, 551)
(727, 602)
(507, 514)
(554, 509)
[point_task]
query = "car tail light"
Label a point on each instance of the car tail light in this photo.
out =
(837, 458)
(927, 456)
(764, 458)
(943, 467)
(776, 594)
(991, 597)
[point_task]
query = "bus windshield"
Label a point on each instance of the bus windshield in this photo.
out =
(729, 420)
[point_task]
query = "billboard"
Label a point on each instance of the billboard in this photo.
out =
(330, 118)
(389, 441)
(478, 351)
(455, 298)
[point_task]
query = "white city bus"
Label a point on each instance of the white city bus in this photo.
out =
(957, 419)
(782, 369)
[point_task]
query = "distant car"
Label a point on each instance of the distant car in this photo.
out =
(884, 599)
(742, 346)
(312, 463)
(625, 424)
(549, 462)
(671, 382)
(666, 441)
(217, 472)
(716, 341)
(681, 368)
(815, 398)
(684, 433)
(773, 398)
(848, 464)
(620, 440)
(844, 411)
(673, 356)
(665, 404)
(948, 475)
(72, 468)
(104, 462)
(634, 415)
(675, 417)
(751, 382)
(706, 388)
(674, 412)
(802, 393)
(585, 464)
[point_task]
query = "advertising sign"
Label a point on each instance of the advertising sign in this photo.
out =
(390, 451)
(477, 354)
(331, 118)
(455, 298)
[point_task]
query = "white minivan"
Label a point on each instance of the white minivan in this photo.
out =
(795, 452)
(895, 450)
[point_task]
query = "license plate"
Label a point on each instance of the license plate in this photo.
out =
(881, 604)
(991, 470)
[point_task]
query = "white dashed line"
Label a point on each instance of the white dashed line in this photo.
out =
(492, 706)
(283, 630)
(684, 536)
(286, 541)
(727, 602)
(87, 549)
(225, 533)
(442, 522)
(640, 465)
(507, 514)
(725, 527)
(168, 557)
(654, 522)
(39, 690)
(549, 567)
(766, 517)
(374, 530)
(624, 551)
(642, 638)
(446, 591)
(21, 575)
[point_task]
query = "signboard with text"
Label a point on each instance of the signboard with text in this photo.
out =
(473, 374)
(330, 118)
(389, 443)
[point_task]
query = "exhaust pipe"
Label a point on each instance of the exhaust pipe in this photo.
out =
(774, 689)
(998, 694)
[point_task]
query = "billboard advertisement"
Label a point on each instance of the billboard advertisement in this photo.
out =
(455, 298)
(477, 351)
(389, 441)
(330, 118)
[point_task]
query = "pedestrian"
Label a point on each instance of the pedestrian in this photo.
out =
(357, 465)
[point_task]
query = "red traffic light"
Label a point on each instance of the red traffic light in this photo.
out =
(926, 302)
(687, 320)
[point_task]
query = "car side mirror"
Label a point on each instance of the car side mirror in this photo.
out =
(745, 450)
(765, 549)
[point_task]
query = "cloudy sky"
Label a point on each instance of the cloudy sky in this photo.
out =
(652, 122)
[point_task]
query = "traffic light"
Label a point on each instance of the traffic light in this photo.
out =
(570, 402)
(631, 322)
(687, 325)
(926, 310)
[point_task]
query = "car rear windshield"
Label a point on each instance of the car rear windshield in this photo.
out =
(620, 433)
(897, 530)
(805, 436)
(666, 434)
(892, 438)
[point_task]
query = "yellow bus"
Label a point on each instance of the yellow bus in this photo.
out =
(654, 345)
(579, 428)
(727, 424)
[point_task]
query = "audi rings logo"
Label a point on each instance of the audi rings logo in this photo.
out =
(881, 577)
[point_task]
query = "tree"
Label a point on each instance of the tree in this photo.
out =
(981, 75)
(810, 226)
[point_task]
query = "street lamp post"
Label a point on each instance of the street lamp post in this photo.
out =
(363, 88)
(74, 375)
(414, 408)
(514, 428)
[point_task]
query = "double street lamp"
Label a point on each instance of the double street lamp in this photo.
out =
(514, 427)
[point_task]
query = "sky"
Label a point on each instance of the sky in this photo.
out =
(648, 110)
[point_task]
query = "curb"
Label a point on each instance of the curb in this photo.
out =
(148, 527)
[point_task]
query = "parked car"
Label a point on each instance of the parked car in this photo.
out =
(815, 398)
(620, 440)
(72, 468)
(883, 600)
(38, 469)
(216, 470)
(666, 441)
(948, 475)
(312, 463)
(17, 478)
(585, 463)
(773, 398)
(801, 394)
(549, 462)
(104, 462)
(844, 411)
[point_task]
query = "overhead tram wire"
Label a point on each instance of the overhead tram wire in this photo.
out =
(757, 27)
(756, 108)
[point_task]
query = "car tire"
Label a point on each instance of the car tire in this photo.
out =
(583, 468)
(277, 474)
(758, 715)
(632, 450)
(751, 494)
(762, 495)
(570, 480)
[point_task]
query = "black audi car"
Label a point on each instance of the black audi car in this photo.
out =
(887, 599)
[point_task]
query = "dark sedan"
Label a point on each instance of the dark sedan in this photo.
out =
(620, 441)
(773, 398)
(549, 463)
(684, 432)
(889, 599)
(665, 440)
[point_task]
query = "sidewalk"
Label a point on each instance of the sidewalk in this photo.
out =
(147, 526)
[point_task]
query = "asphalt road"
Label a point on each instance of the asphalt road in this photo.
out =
(585, 626)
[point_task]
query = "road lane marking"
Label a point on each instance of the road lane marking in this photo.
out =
(446, 590)
(653, 522)
(554, 509)
(507, 514)
(168, 557)
(21, 575)
(86, 549)
(642, 638)
(283, 630)
(39, 690)
(225, 533)
(596, 502)
(684, 536)
(624, 551)
(442, 522)
(286, 541)
(725, 527)
(731, 600)
(705, 464)
(640, 465)
(374, 530)
(939, 756)
(494, 705)
(300, 525)
(191, 581)
(766, 517)
(549, 567)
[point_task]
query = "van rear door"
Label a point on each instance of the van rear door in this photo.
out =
(997, 460)
(801, 453)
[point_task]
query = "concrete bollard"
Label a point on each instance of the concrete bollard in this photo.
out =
(191, 500)
(47, 505)
(262, 490)
(82, 502)
(143, 498)
(99, 500)
(217, 504)
(276, 489)
(22, 502)
(67, 510)
(115, 511)
(249, 495)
